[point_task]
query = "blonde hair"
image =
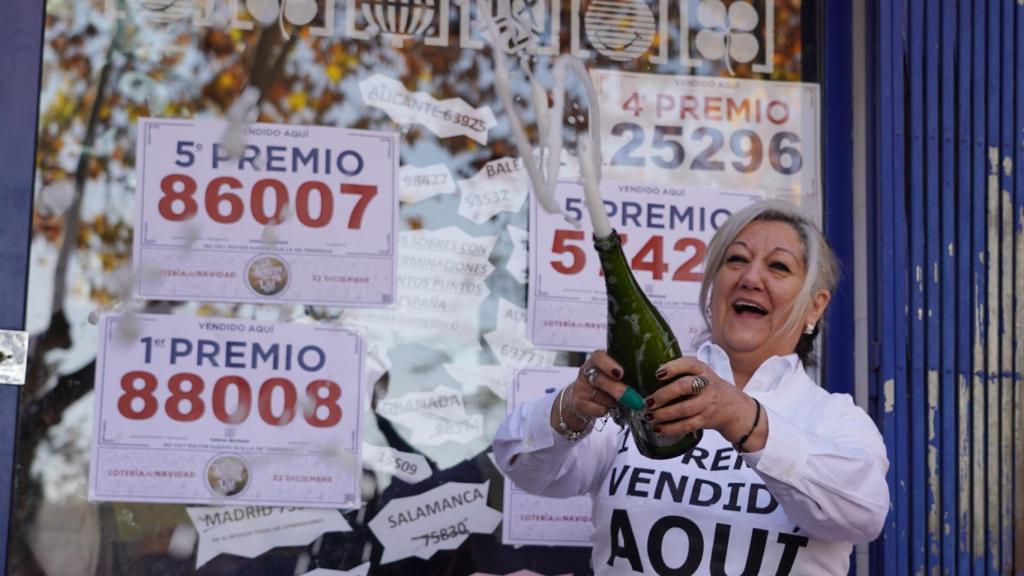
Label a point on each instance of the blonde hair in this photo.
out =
(819, 261)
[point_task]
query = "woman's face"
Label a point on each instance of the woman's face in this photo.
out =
(755, 290)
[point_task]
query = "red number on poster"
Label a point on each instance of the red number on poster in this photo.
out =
(220, 399)
(649, 258)
(185, 402)
(191, 395)
(177, 188)
(329, 402)
(326, 204)
(224, 203)
(259, 210)
(685, 272)
(560, 245)
(266, 408)
(131, 393)
(216, 197)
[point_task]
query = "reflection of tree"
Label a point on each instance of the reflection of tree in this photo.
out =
(105, 234)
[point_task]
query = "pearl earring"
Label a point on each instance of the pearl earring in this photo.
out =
(809, 329)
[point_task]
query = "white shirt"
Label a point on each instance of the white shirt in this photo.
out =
(795, 507)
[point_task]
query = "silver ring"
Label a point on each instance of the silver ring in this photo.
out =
(593, 395)
(699, 382)
(590, 374)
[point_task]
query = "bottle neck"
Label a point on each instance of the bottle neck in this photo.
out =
(608, 244)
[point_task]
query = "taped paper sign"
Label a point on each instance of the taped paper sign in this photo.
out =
(509, 343)
(473, 376)
(434, 417)
(440, 287)
(361, 570)
(439, 519)
(13, 356)
(538, 520)
(272, 224)
(500, 186)
(417, 184)
(252, 530)
(723, 133)
(410, 467)
(445, 118)
(517, 261)
(200, 410)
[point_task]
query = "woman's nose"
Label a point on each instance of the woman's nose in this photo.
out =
(752, 278)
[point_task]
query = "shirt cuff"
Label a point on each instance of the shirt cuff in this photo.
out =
(784, 456)
(539, 435)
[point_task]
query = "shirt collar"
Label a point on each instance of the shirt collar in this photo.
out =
(769, 375)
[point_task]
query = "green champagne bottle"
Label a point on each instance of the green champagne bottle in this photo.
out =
(641, 341)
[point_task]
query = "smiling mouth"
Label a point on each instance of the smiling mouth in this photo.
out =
(746, 308)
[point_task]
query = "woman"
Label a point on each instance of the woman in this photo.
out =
(787, 476)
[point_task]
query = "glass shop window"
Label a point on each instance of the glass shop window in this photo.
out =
(291, 262)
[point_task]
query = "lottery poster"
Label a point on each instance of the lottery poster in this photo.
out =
(226, 411)
(712, 133)
(537, 520)
(664, 231)
(299, 214)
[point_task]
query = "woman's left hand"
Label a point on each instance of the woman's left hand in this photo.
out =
(675, 410)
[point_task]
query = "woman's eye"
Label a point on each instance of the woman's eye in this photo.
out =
(736, 258)
(779, 266)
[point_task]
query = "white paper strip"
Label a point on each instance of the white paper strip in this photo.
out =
(434, 417)
(441, 277)
(517, 261)
(13, 356)
(445, 118)
(500, 186)
(417, 184)
(410, 467)
(473, 376)
(508, 341)
(439, 519)
(252, 530)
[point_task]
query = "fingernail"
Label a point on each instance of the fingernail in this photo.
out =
(650, 402)
(660, 373)
(656, 429)
(616, 373)
(632, 400)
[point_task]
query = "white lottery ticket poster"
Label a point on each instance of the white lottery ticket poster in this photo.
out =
(224, 411)
(703, 132)
(304, 214)
(664, 231)
(538, 520)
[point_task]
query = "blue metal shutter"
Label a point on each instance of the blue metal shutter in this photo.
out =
(947, 209)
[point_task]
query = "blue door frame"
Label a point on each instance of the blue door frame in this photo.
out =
(21, 30)
(21, 36)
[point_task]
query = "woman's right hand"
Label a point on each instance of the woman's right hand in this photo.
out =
(597, 388)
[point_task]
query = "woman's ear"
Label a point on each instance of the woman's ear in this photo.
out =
(816, 310)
